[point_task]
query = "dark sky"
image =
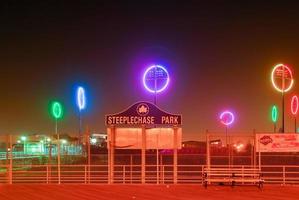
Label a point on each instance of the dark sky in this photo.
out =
(219, 55)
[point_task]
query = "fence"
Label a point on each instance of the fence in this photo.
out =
(130, 174)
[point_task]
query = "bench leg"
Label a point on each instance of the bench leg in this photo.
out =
(260, 184)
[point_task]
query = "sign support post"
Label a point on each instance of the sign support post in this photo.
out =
(111, 141)
(143, 155)
(175, 154)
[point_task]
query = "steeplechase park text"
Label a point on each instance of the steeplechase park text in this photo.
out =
(143, 113)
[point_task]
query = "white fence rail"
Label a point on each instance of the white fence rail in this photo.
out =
(129, 174)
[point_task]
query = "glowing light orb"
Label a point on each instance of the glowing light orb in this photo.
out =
(57, 110)
(155, 79)
(282, 73)
(81, 99)
(294, 105)
(274, 114)
(93, 140)
(227, 118)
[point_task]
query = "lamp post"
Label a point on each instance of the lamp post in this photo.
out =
(81, 103)
(57, 113)
(294, 109)
(274, 116)
(155, 80)
(227, 118)
(282, 80)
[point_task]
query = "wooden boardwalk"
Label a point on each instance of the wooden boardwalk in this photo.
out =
(145, 192)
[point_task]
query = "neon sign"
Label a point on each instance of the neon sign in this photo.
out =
(155, 79)
(227, 118)
(81, 99)
(282, 73)
(294, 105)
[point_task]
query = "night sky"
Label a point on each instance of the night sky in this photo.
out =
(219, 55)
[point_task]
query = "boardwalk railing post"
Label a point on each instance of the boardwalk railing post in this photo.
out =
(131, 167)
(242, 174)
(284, 175)
(124, 174)
(85, 174)
(47, 178)
(163, 174)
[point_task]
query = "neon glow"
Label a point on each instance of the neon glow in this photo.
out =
(57, 110)
(227, 118)
(294, 105)
(274, 114)
(155, 79)
(81, 99)
(286, 74)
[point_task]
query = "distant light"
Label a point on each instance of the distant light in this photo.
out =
(281, 72)
(57, 110)
(23, 138)
(63, 141)
(19, 141)
(41, 141)
(274, 114)
(294, 105)
(48, 139)
(81, 98)
(155, 74)
(227, 118)
(239, 147)
(93, 140)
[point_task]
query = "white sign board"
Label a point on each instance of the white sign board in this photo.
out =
(287, 142)
(156, 138)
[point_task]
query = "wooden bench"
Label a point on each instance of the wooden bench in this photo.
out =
(232, 176)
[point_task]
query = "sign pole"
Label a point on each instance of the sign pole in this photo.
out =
(295, 125)
(143, 155)
(260, 159)
(58, 150)
(208, 150)
(175, 154)
(157, 157)
(112, 145)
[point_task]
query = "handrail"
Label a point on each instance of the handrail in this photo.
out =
(129, 174)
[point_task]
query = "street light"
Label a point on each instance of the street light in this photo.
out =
(155, 80)
(274, 116)
(57, 113)
(81, 103)
(93, 141)
(282, 81)
(227, 118)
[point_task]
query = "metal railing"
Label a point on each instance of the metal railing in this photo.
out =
(131, 174)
